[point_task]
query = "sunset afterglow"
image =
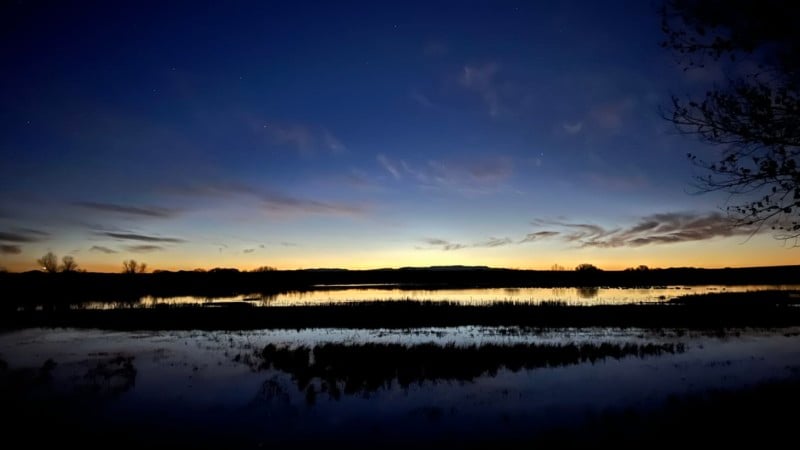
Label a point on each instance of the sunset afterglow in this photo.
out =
(502, 134)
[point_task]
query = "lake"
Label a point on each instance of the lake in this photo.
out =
(468, 384)
(324, 294)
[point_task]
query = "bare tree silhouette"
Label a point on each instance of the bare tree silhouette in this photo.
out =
(587, 268)
(131, 266)
(68, 264)
(754, 116)
(48, 262)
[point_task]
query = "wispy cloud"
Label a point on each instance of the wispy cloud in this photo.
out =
(289, 244)
(443, 244)
(539, 235)
(9, 249)
(389, 166)
(446, 245)
(102, 249)
(664, 228)
(422, 99)
(22, 235)
(248, 250)
(494, 242)
(278, 202)
(140, 237)
(140, 211)
(275, 201)
(488, 170)
(302, 138)
(479, 176)
(332, 142)
(297, 136)
(145, 248)
(31, 231)
(359, 179)
(481, 80)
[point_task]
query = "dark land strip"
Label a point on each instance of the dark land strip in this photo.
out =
(36, 287)
(712, 311)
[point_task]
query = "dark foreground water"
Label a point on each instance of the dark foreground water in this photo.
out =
(468, 384)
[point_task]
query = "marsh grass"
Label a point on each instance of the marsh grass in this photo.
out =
(756, 309)
(354, 369)
(753, 299)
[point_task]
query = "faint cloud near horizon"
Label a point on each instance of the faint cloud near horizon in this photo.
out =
(129, 236)
(128, 210)
(10, 249)
(536, 236)
(663, 228)
(144, 248)
(102, 249)
(273, 200)
(446, 245)
(10, 240)
(23, 235)
(441, 244)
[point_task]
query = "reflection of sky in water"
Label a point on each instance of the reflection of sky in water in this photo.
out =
(193, 379)
(574, 296)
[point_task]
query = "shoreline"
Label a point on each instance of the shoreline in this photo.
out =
(707, 311)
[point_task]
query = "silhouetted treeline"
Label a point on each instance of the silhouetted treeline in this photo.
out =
(414, 314)
(54, 288)
(362, 368)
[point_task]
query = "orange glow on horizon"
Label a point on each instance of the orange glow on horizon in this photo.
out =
(544, 262)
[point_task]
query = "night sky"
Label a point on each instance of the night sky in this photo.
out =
(356, 135)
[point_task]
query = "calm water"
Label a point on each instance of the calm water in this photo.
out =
(572, 296)
(194, 386)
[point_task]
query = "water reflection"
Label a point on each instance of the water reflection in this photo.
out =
(585, 295)
(588, 292)
(375, 386)
(110, 376)
(357, 369)
(102, 377)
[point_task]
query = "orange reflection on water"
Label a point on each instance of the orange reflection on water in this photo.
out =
(360, 293)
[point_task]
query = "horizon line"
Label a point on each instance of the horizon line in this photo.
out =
(436, 267)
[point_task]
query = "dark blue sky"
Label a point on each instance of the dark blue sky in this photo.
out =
(350, 134)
